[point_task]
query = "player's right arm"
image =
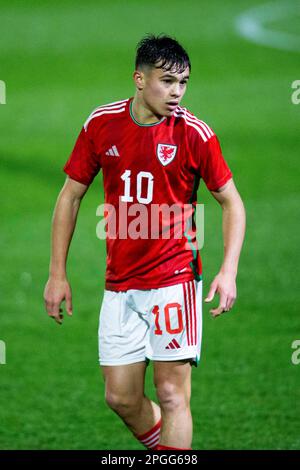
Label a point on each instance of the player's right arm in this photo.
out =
(64, 219)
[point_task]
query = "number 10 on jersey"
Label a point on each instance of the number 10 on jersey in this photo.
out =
(142, 175)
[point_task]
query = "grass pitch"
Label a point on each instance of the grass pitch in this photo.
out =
(61, 61)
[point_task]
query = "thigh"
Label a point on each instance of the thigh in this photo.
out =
(125, 380)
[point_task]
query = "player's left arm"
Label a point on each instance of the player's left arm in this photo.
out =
(234, 223)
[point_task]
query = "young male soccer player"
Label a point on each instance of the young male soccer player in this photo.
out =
(152, 152)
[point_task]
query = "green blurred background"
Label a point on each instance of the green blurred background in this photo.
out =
(59, 61)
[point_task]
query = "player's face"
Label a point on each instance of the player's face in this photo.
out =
(164, 89)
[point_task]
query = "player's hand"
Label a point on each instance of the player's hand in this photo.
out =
(223, 284)
(56, 291)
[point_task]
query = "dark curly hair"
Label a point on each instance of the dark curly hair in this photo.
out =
(163, 50)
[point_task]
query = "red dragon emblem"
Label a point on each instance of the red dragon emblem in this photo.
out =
(166, 153)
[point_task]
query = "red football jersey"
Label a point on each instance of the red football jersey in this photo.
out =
(145, 166)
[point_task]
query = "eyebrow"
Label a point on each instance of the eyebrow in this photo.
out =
(174, 78)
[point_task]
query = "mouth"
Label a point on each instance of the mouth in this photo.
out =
(172, 104)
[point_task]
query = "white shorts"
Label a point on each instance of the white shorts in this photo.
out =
(160, 324)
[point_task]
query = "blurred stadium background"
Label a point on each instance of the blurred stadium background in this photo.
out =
(61, 60)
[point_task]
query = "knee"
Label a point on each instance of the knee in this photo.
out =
(171, 398)
(123, 405)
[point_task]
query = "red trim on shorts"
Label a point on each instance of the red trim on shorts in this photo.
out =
(187, 325)
(194, 308)
(190, 314)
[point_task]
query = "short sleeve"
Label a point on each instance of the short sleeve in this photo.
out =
(213, 167)
(83, 164)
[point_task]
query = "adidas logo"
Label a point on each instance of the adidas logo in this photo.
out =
(113, 151)
(173, 345)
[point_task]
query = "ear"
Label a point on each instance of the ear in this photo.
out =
(139, 78)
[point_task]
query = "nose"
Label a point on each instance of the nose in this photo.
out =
(176, 90)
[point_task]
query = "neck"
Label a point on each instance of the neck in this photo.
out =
(142, 113)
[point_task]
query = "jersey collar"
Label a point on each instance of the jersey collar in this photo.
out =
(140, 124)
